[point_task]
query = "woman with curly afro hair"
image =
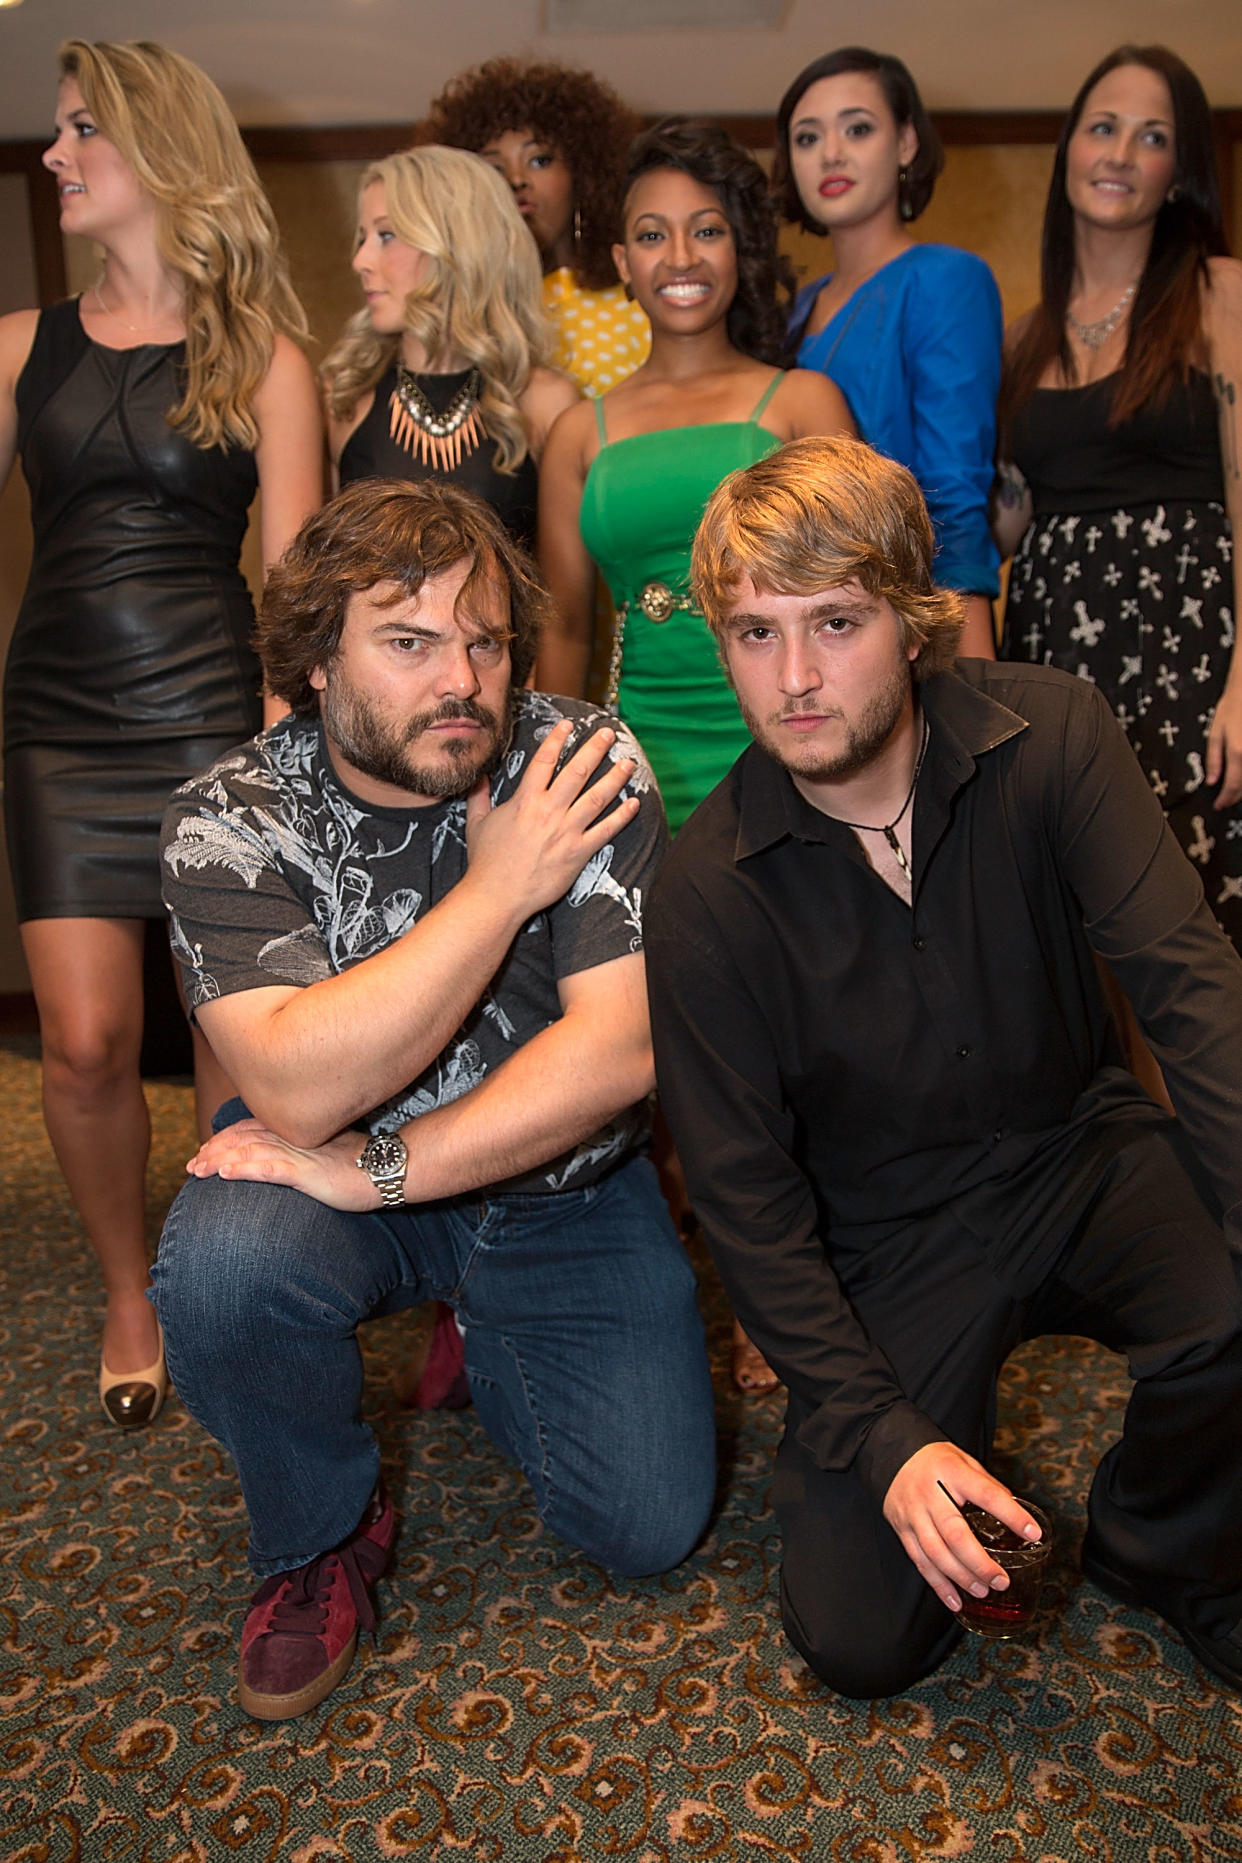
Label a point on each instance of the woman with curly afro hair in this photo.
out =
(558, 137)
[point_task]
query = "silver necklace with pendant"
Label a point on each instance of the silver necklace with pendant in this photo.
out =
(1095, 335)
(889, 829)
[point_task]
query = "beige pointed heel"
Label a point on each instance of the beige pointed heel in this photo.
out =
(132, 1399)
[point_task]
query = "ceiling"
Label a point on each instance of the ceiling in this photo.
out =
(359, 61)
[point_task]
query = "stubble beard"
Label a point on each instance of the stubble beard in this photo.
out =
(865, 737)
(381, 750)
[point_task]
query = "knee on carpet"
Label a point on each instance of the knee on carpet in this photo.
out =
(645, 1534)
(871, 1667)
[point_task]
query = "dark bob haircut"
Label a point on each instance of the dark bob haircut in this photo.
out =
(580, 117)
(765, 280)
(397, 532)
(902, 96)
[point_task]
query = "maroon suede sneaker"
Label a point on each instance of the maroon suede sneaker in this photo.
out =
(302, 1626)
(443, 1384)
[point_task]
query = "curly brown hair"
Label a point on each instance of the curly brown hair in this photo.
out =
(397, 531)
(582, 118)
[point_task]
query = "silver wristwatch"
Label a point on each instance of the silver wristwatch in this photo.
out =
(384, 1160)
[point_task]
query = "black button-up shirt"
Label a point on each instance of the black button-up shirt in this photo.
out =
(837, 1066)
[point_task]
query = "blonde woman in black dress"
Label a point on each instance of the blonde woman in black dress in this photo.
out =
(443, 372)
(146, 414)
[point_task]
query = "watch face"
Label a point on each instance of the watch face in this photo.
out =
(384, 1156)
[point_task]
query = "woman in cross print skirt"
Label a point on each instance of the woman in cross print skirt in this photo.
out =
(1119, 407)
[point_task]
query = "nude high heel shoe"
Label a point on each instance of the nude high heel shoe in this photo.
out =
(132, 1399)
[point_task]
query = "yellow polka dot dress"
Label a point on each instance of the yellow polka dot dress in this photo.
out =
(601, 337)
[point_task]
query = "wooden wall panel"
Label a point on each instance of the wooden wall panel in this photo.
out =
(989, 200)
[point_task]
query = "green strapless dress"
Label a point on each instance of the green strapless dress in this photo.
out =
(641, 506)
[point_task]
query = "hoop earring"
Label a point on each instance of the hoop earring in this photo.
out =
(1174, 194)
(905, 207)
(577, 229)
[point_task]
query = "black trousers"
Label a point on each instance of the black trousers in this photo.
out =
(1145, 1271)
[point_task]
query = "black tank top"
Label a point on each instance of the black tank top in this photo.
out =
(371, 453)
(1073, 461)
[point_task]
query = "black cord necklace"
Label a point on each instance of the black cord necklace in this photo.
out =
(889, 829)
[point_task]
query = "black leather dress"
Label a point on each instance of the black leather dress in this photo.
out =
(131, 666)
(371, 453)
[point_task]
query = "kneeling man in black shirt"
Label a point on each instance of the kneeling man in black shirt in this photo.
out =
(900, 1101)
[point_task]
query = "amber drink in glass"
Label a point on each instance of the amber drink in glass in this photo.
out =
(1007, 1613)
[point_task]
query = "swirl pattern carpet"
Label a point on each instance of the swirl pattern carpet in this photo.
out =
(518, 1704)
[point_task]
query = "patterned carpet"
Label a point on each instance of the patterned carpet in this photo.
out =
(519, 1705)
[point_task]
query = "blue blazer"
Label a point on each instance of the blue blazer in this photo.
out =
(916, 351)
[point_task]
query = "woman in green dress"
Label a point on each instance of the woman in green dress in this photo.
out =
(624, 479)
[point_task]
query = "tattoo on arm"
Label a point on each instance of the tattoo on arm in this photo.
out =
(1010, 487)
(1227, 403)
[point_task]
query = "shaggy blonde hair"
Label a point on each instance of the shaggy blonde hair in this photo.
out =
(481, 296)
(214, 225)
(819, 513)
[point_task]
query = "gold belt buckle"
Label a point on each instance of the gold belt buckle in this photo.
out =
(656, 601)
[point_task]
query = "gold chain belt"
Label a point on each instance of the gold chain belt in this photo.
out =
(657, 602)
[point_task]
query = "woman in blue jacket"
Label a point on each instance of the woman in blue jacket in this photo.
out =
(910, 333)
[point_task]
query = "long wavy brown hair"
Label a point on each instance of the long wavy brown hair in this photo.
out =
(214, 225)
(576, 114)
(1166, 334)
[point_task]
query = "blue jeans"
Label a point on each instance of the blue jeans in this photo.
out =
(584, 1350)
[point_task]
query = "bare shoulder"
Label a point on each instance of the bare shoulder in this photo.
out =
(809, 403)
(17, 334)
(545, 398)
(288, 373)
(571, 437)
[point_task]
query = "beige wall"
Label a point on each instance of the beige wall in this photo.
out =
(990, 200)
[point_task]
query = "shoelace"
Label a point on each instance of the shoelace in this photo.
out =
(303, 1611)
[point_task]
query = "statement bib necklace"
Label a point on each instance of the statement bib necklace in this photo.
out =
(889, 829)
(1095, 335)
(440, 440)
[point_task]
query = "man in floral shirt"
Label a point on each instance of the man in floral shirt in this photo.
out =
(409, 921)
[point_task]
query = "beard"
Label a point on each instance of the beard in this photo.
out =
(382, 750)
(865, 735)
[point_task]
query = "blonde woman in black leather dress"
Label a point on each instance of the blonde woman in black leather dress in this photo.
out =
(146, 414)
